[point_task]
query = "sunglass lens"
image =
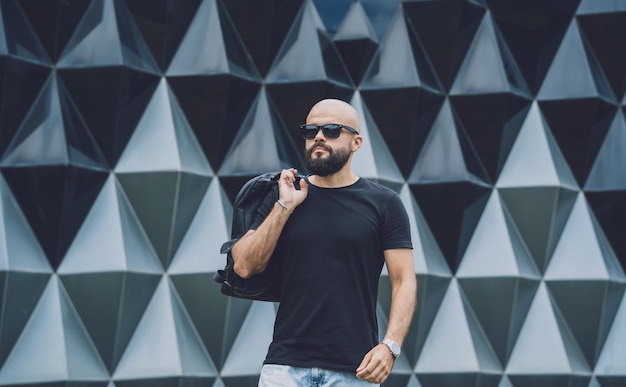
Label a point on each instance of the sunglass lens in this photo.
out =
(331, 130)
(309, 131)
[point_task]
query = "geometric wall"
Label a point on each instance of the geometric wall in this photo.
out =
(127, 127)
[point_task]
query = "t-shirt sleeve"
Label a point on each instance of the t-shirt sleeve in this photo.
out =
(396, 232)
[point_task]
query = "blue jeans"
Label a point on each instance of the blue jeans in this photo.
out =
(274, 375)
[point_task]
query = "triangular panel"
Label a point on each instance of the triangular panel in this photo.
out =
(603, 33)
(199, 251)
(107, 23)
(216, 318)
(544, 344)
(18, 39)
(249, 349)
(611, 362)
(53, 21)
(110, 238)
(212, 42)
(55, 200)
(177, 195)
(394, 66)
(495, 248)
(55, 340)
(572, 62)
(163, 140)
(373, 160)
(447, 155)
(606, 173)
(533, 40)
(53, 134)
(356, 41)
(586, 280)
(264, 34)
(260, 146)
(545, 168)
(445, 29)
(308, 54)
(488, 67)
(455, 337)
(165, 343)
(492, 122)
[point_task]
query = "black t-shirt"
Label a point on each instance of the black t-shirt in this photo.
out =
(332, 256)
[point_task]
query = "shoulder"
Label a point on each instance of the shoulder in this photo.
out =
(374, 188)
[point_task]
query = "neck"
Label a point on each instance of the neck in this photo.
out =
(342, 178)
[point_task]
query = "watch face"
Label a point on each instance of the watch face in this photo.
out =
(393, 347)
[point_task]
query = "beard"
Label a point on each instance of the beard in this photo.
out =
(325, 166)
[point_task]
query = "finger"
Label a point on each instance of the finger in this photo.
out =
(364, 362)
(285, 174)
(303, 185)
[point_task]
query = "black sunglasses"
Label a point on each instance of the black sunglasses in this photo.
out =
(331, 131)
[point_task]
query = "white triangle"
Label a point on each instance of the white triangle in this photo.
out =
(355, 25)
(156, 338)
(482, 70)
(194, 358)
(419, 256)
(612, 360)
(606, 173)
(540, 346)
(162, 143)
(152, 147)
(41, 343)
(140, 254)
(490, 252)
(256, 135)
(209, 52)
(427, 258)
(441, 158)
(534, 158)
(303, 60)
(373, 160)
(19, 248)
(396, 65)
(192, 157)
(449, 346)
(570, 75)
(199, 251)
(41, 138)
(53, 345)
(250, 347)
(101, 45)
(101, 243)
(578, 254)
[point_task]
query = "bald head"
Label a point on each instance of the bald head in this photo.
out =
(334, 111)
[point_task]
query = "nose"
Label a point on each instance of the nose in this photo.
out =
(319, 136)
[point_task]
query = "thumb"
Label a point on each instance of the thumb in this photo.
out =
(304, 186)
(364, 362)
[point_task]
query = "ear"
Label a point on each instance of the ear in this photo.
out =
(357, 141)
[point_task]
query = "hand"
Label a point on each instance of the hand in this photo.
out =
(287, 193)
(376, 365)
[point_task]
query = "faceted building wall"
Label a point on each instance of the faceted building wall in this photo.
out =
(127, 127)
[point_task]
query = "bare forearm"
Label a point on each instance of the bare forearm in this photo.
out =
(403, 301)
(253, 251)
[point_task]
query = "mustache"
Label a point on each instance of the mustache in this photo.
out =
(318, 144)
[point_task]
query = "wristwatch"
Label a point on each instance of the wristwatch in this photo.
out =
(394, 347)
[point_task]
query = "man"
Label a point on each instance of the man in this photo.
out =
(333, 233)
